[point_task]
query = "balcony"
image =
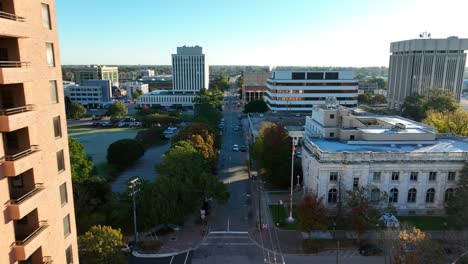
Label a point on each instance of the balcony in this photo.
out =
(19, 162)
(47, 260)
(24, 248)
(23, 205)
(6, 15)
(14, 72)
(12, 119)
(11, 24)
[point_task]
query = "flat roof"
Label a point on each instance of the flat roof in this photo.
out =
(390, 131)
(438, 145)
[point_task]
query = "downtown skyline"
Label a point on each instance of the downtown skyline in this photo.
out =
(335, 33)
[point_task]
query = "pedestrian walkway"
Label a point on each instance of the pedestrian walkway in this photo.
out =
(186, 238)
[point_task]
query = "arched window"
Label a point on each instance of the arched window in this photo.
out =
(448, 194)
(332, 195)
(393, 197)
(430, 194)
(412, 195)
(375, 195)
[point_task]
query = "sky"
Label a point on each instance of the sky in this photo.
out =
(251, 32)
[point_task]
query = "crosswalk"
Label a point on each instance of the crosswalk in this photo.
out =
(221, 238)
(342, 253)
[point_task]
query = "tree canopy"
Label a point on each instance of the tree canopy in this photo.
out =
(76, 111)
(312, 213)
(81, 165)
(448, 122)
(136, 95)
(124, 152)
(101, 243)
(117, 109)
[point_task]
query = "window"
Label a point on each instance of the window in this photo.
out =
(50, 54)
(451, 176)
(57, 127)
(332, 196)
(430, 194)
(66, 226)
(17, 182)
(69, 255)
(376, 176)
(355, 182)
(351, 137)
(315, 76)
(332, 134)
(411, 212)
(432, 176)
(53, 92)
(375, 195)
(60, 161)
(46, 16)
(412, 195)
(298, 76)
(332, 116)
(331, 76)
(393, 198)
(333, 176)
(63, 194)
(395, 176)
(414, 176)
(448, 195)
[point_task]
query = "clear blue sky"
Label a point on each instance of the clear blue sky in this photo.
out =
(251, 32)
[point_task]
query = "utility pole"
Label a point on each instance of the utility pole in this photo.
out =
(133, 186)
(290, 218)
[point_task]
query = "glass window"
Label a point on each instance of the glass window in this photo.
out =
(332, 116)
(331, 76)
(432, 176)
(298, 75)
(395, 176)
(332, 196)
(332, 134)
(60, 161)
(53, 91)
(430, 194)
(376, 176)
(448, 194)
(451, 176)
(315, 76)
(355, 182)
(63, 194)
(393, 198)
(333, 176)
(46, 16)
(375, 195)
(66, 226)
(414, 176)
(69, 255)
(50, 54)
(412, 195)
(57, 127)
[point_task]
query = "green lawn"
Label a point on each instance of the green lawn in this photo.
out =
(425, 222)
(280, 214)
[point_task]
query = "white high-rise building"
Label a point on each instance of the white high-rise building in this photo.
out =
(420, 64)
(189, 69)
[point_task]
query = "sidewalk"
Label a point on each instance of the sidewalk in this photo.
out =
(187, 237)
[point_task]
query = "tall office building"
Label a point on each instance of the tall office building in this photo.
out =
(420, 64)
(189, 69)
(97, 72)
(38, 219)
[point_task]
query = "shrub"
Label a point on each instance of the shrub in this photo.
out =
(150, 137)
(124, 152)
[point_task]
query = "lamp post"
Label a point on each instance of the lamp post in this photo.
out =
(133, 186)
(290, 218)
(298, 185)
(280, 203)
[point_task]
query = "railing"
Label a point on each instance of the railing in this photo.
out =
(47, 260)
(42, 226)
(11, 16)
(22, 154)
(16, 110)
(37, 188)
(13, 64)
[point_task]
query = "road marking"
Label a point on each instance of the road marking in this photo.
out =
(186, 257)
(171, 259)
(229, 232)
(230, 244)
(227, 237)
(228, 225)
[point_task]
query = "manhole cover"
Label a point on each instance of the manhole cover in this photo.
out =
(173, 239)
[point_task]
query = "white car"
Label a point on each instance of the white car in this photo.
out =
(235, 148)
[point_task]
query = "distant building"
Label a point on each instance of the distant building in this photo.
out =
(92, 93)
(372, 88)
(164, 98)
(131, 87)
(97, 72)
(160, 82)
(301, 90)
(145, 73)
(415, 167)
(420, 64)
(254, 86)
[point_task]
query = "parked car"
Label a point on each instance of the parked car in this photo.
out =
(243, 148)
(97, 117)
(106, 124)
(299, 155)
(236, 128)
(235, 148)
(370, 250)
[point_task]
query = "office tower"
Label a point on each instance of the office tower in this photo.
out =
(97, 72)
(189, 69)
(38, 219)
(420, 64)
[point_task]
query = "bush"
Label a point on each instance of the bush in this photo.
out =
(150, 137)
(155, 119)
(124, 152)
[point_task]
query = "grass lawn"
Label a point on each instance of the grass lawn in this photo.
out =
(278, 212)
(425, 222)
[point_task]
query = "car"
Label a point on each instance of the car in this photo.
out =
(299, 154)
(97, 117)
(261, 115)
(243, 148)
(106, 124)
(235, 148)
(370, 250)
(220, 133)
(298, 115)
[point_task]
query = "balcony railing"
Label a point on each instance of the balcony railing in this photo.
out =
(47, 260)
(11, 16)
(16, 110)
(13, 64)
(42, 226)
(37, 188)
(22, 154)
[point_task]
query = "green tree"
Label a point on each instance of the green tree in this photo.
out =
(76, 111)
(206, 145)
(101, 244)
(117, 109)
(273, 150)
(208, 106)
(136, 95)
(159, 120)
(81, 165)
(413, 107)
(439, 100)
(364, 98)
(457, 206)
(124, 152)
(448, 122)
(312, 213)
(379, 99)
(149, 137)
(256, 106)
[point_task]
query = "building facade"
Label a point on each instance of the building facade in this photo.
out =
(164, 98)
(254, 86)
(420, 64)
(131, 87)
(97, 72)
(145, 73)
(93, 93)
(301, 90)
(38, 220)
(190, 70)
(405, 159)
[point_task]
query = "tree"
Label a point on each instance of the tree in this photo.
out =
(136, 95)
(412, 107)
(273, 150)
(256, 106)
(364, 98)
(117, 110)
(457, 206)
(81, 165)
(124, 152)
(448, 122)
(440, 100)
(101, 244)
(379, 99)
(150, 136)
(312, 213)
(76, 111)
(203, 139)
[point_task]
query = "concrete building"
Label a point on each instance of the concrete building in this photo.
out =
(190, 70)
(131, 87)
(38, 219)
(145, 73)
(301, 90)
(372, 88)
(164, 98)
(160, 82)
(92, 93)
(417, 168)
(254, 86)
(420, 64)
(97, 72)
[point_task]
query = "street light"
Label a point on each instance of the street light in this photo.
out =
(298, 185)
(280, 203)
(133, 186)
(290, 218)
